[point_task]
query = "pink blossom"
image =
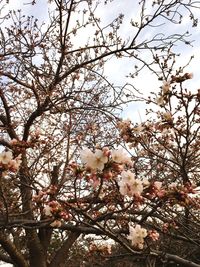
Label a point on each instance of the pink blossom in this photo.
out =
(158, 185)
(153, 234)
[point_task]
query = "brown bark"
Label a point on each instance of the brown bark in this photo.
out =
(176, 259)
(36, 253)
(15, 255)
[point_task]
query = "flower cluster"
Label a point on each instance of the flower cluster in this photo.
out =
(98, 159)
(156, 190)
(166, 87)
(121, 156)
(116, 160)
(137, 235)
(44, 194)
(95, 160)
(129, 185)
(54, 209)
(104, 249)
(183, 195)
(7, 162)
(153, 234)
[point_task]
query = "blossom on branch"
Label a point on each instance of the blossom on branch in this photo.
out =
(95, 161)
(160, 101)
(167, 116)
(14, 164)
(56, 224)
(166, 87)
(137, 235)
(121, 156)
(7, 161)
(6, 157)
(48, 211)
(129, 185)
(153, 234)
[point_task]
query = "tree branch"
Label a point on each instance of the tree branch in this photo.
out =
(62, 253)
(12, 251)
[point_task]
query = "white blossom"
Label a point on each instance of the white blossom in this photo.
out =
(137, 235)
(160, 101)
(138, 129)
(47, 211)
(15, 163)
(86, 155)
(165, 87)
(167, 116)
(95, 160)
(121, 156)
(129, 185)
(6, 157)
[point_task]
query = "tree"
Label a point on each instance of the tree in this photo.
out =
(165, 151)
(55, 102)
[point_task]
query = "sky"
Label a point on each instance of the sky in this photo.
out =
(117, 70)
